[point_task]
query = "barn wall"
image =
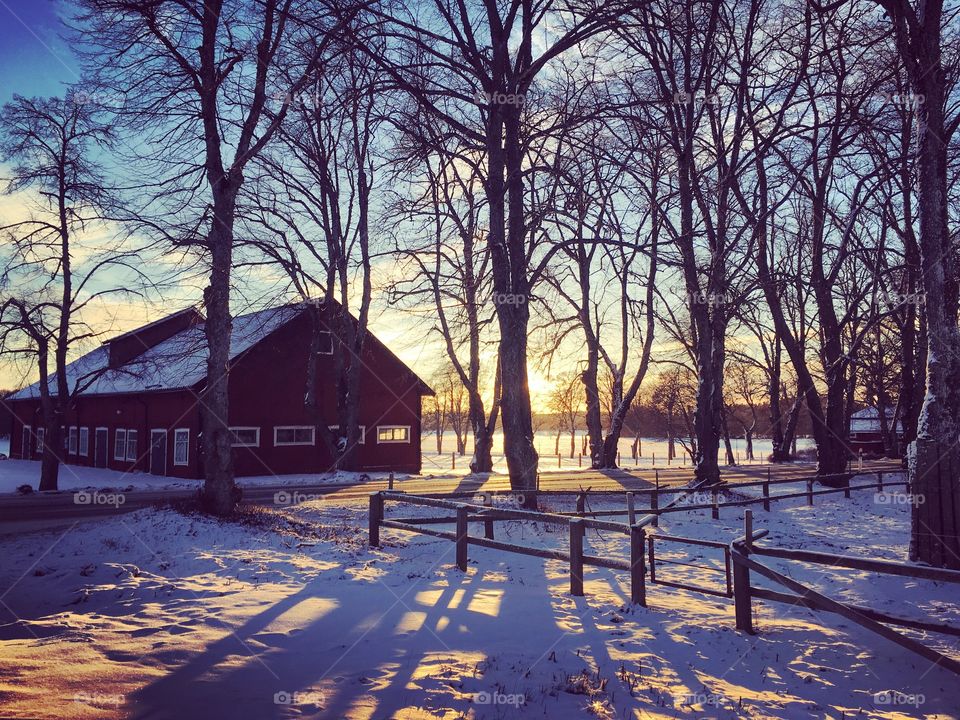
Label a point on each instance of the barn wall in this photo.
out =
(267, 387)
(141, 413)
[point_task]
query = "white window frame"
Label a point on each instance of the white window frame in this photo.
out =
(120, 446)
(330, 336)
(381, 441)
(41, 435)
(72, 440)
(255, 443)
(83, 448)
(186, 448)
(311, 428)
(132, 457)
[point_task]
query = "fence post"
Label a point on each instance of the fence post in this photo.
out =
(638, 588)
(462, 538)
(580, 460)
(488, 524)
(453, 461)
(809, 492)
(576, 558)
(880, 481)
(390, 482)
(716, 507)
(376, 515)
(766, 492)
(741, 581)
(618, 458)
(631, 510)
(655, 500)
(581, 503)
(559, 460)
(653, 459)
(860, 459)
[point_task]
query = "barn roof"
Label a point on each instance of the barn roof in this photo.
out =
(868, 420)
(176, 363)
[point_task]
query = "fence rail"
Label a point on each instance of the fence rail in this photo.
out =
(743, 548)
(470, 512)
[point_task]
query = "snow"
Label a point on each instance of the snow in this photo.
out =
(290, 614)
(14, 473)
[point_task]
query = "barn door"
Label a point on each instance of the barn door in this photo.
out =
(100, 448)
(158, 452)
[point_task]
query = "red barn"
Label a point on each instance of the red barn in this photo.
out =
(137, 401)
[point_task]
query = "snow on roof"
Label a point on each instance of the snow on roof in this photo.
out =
(868, 420)
(176, 363)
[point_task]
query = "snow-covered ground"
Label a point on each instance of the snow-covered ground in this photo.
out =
(14, 473)
(290, 614)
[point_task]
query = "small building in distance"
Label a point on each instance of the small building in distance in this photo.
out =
(866, 431)
(137, 400)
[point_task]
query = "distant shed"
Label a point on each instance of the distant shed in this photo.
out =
(866, 430)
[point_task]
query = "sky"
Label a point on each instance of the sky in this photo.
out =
(36, 61)
(33, 58)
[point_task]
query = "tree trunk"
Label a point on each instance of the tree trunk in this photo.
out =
(934, 468)
(780, 451)
(507, 239)
(220, 493)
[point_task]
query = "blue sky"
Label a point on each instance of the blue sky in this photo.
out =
(33, 59)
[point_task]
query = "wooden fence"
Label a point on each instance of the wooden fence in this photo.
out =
(744, 548)
(582, 519)
(467, 513)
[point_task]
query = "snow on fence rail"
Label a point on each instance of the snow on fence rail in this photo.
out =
(743, 547)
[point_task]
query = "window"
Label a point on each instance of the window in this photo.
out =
(246, 436)
(325, 343)
(363, 432)
(393, 434)
(293, 435)
(181, 446)
(40, 433)
(84, 441)
(72, 447)
(131, 445)
(120, 444)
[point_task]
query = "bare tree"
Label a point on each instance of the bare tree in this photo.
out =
(475, 69)
(194, 78)
(51, 273)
